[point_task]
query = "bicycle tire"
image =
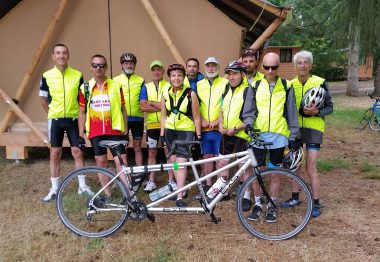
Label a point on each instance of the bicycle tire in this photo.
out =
(374, 122)
(290, 221)
(72, 207)
(365, 118)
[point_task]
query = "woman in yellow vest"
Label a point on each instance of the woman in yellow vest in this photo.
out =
(180, 119)
(312, 125)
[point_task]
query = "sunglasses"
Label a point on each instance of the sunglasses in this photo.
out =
(270, 67)
(98, 65)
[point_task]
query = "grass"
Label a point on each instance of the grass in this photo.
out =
(345, 118)
(333, 164)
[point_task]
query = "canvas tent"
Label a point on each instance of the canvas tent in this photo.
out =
(169, 30)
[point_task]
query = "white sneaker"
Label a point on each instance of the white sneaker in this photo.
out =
(150, 186)
(172, 184)
(86, 190)
(50, 196)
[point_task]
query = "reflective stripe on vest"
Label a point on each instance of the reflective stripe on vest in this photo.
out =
(131, 90)
(270, 107)
(63, 89)
(210, 98)
(177, 120)
(232, 106)
(153, 95)
(113, 92)
(312, 122)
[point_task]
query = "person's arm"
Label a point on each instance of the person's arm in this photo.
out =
(328, 105)
(291, 115)
(145, 105)
(44, 103)
(44, 94)
(163, 117)
(196, 114)
(82, 114)
(249, 111)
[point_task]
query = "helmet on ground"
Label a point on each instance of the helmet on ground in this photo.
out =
(235, 66)
(315, 95)
(174, 67)
(292, 159)
(126, 57)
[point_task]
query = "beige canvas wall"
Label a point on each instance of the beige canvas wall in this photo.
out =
(197, 29)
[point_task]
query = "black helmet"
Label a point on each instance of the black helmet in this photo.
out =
(235, 66)
(128, 57)
(173, 67)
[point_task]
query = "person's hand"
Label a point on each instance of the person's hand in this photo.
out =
(311, 111)
(205, 123)
(163, 141)
(81, 143)
(294, 145)
(248, 128)
(230, 132)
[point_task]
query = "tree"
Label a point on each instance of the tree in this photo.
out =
(358, 28)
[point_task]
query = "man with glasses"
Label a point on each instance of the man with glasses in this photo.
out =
(102, 114)
(59, 89)
(275, 114)
(132, 84)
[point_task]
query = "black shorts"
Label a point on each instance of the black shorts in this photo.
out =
(232, 144)
(57, 128)
(171, 135)
(99, 151)
(137, 129)
(275, 156)
(152, 136)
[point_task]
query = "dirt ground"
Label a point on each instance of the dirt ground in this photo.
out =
(348, 230)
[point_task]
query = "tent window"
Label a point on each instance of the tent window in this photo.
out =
(286, 55)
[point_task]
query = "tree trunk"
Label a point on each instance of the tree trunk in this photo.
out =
(353, 68)
(376, 83)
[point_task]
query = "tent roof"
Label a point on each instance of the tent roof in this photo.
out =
(6, 6)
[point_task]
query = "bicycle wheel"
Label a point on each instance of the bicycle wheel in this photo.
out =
(365, 118)
(76, 213)
(374, 122)
(289, 221)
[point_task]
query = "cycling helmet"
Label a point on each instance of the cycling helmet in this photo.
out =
(235, 66)
(315, 95)
(292, 159)
(173, 67)
(128, 57)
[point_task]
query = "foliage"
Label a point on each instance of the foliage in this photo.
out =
(308, 26)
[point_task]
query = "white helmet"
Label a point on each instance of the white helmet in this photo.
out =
(315, 95)
(292, 159)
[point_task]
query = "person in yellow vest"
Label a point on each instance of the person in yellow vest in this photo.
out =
(180, 120)
(210, 91)
(250, 59)
(312, 125)
(132, 84)
(231, 118)
(102, 115)
(193, 76)
(275, 116)
(59, 88)
(150, 102)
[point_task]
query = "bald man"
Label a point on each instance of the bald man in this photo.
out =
(275, 114)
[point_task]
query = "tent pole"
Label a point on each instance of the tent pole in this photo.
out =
(36, 59)
(14, 108)
(160, 27)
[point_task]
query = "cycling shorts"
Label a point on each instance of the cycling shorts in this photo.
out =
(152, 136)
(211, 142)
(232, 144)
(181, 150)
(57, 128)
(275, 156)
(100, 151)
(137, 129)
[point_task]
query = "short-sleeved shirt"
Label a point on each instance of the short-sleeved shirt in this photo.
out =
(100, 112)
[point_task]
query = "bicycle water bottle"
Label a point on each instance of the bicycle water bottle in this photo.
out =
(216, 187)
(161, 192)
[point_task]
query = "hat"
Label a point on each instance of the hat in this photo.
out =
(156, 63)
(212, 59)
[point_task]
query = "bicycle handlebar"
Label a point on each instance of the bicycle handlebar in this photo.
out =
(373, 97)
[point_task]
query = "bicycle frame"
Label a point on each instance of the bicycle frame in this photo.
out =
(246, 158)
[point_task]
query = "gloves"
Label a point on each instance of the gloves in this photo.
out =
(248, 128)
(81, 143)
(294, 145)
(163, 141)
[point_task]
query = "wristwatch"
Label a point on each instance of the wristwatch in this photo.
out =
(235, 129)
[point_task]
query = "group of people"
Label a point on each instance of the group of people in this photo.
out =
(208, 107)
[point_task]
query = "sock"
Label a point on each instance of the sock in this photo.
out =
(54, 183)
(82, 181)
(316, 201)
(257, 201)
(247, 195)
(295, 195)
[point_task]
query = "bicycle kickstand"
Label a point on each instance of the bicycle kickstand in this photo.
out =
(215, 219)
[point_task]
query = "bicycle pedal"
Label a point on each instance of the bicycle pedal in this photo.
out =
(215, 219)
(151, 218)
